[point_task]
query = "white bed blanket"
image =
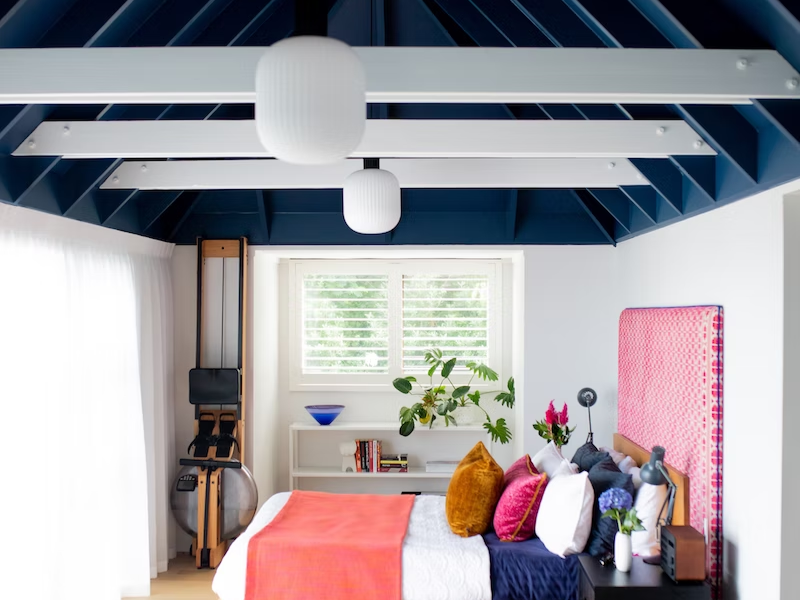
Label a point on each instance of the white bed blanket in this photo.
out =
(437, 564)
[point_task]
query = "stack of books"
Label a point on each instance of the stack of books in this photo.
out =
(441, 466)
(394, 463)
(368, 453)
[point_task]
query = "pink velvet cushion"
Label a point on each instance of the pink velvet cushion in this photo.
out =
(523, 488)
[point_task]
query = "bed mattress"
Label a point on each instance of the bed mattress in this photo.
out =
(529, 571)
(437, 564)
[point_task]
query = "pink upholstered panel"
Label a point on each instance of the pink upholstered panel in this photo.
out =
(670, 394)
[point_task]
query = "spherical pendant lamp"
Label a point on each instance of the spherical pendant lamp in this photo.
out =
(371, 200)
(310, 100)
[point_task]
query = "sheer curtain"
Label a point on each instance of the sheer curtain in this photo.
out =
(85, 356)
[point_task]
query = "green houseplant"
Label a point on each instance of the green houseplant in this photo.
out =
(440, 401)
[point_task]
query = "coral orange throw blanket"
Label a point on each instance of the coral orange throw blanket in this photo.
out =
(331, 546)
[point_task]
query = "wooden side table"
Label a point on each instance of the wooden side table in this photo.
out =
(643, 581)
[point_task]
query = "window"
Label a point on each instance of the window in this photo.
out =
(361, 323)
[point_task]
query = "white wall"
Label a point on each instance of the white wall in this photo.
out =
(732, 257)
(571, 319)
(564, 339)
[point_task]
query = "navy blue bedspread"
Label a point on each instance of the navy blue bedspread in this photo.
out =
(528, 571)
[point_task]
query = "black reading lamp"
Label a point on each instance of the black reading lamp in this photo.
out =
(655, 473)
(586, 398)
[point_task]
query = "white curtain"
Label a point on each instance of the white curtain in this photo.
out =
(154, 298)
(85, 357)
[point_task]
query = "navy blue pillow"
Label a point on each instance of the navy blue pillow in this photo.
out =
(604, 476)
(588, 456)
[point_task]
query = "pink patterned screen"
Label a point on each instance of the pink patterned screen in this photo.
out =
(670, 394)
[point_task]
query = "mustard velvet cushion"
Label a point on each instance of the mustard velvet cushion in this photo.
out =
(473, 492)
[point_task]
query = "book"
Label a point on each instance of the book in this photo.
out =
(441, 466)
(394, 459)
(364, 464)
(393, 469)
(368, 456)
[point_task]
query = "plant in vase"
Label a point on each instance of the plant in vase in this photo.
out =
(617, 504)
(443, 399)
(554, 427)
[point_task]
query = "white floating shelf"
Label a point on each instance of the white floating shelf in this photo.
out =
(384, 427)
(413, 472)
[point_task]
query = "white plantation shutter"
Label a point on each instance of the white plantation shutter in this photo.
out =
(361, 323)
(345, 323)
(449, 312)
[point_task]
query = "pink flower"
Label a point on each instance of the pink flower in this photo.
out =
(550, 417)
(563, 417)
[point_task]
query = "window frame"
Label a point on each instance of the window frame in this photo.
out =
(361, 382)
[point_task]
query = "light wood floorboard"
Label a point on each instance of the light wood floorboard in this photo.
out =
(182, 581)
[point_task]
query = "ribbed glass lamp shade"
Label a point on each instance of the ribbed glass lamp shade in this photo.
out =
(310, 100)
(371, 201)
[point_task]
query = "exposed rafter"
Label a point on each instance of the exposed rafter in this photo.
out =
(537, 106)
(383, 139)
(213, 75)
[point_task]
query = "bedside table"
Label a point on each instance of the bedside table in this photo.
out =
(644, 581)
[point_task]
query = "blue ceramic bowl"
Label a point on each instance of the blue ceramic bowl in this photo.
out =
(324, 414)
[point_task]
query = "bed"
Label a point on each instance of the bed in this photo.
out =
(439, 565)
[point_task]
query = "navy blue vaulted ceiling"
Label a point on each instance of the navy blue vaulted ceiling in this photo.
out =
(758, 145)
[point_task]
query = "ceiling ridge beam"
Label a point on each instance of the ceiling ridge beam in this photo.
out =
(196, 75)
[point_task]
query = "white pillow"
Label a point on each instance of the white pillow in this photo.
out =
(648, 503)
(636, 476)
(617, 457)
(565, 514)
(626, 464)
(550, 460)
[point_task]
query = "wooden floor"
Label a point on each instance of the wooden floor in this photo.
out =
(183, 581)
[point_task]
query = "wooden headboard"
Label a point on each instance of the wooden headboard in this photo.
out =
(680, 515)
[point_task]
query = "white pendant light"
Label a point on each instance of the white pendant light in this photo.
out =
(371, 200)
(310, 100)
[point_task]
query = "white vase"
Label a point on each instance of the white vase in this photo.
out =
(623, 556)
(468, 415)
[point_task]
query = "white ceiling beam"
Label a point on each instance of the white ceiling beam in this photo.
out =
(412, 173)
(396, 74)
(384, 138)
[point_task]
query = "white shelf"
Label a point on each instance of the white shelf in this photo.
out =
(383, 427)
(413, 473)
(352, 431)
